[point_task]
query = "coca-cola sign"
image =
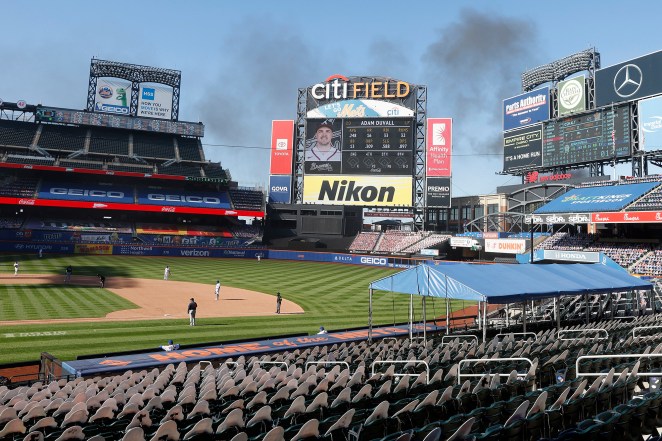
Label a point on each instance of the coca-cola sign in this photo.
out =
(26, 202)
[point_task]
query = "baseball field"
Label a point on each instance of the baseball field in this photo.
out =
(137, 309)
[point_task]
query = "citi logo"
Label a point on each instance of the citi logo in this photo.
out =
(348, 191)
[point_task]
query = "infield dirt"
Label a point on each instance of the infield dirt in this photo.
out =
(162, 299)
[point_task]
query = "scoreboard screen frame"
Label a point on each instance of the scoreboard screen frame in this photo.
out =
(365, 147)
(588, 137)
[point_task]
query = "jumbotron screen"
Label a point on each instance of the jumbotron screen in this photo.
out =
(604, 134)
(360, 146)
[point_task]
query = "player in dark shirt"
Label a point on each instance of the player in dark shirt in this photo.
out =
(102, 280)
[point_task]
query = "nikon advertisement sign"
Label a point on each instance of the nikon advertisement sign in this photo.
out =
(367, 191)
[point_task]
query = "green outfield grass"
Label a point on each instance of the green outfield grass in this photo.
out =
(332, 295)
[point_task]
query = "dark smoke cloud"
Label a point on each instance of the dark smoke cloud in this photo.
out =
(269, 64)
(475, 64)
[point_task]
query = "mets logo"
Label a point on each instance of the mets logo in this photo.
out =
(105, 92)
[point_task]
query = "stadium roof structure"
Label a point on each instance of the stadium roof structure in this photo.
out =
(596, 199)
(504, 283)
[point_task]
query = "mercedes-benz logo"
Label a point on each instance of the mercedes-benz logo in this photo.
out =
(627, 80)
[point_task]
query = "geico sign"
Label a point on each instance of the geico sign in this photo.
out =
(339, 87)
(89, 193)
(373, 260)
(113, 109)
(183, 198)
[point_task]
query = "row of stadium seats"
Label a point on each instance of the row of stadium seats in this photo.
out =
(566, 241)
(296, 400)
(61, 138)
(650, 201)
(396, 241)
(637, 257)
(623, 180)
(182, 168)
(109, 231)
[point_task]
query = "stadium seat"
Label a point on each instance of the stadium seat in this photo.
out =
(201, 431)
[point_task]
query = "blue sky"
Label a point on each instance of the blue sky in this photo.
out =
(242, 62)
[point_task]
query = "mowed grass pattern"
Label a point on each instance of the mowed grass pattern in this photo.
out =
(332, 295)
(26, 302)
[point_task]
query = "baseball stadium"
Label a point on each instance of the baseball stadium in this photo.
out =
(146, 295)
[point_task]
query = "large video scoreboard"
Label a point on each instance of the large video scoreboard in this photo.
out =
(360, 140)
(596, 136)
(362, 146)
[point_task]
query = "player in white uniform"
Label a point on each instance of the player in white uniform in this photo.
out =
(166, 273)
(16, 268)
(217, 289)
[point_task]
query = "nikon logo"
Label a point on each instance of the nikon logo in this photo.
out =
(348, 191)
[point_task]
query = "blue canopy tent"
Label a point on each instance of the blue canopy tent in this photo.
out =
(503, 283)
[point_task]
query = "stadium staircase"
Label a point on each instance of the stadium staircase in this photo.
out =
(640, 259)
(378, 243)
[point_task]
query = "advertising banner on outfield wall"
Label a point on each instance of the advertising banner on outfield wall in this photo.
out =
(372, 191)
(505, 246)
(353, 259)
(526, 109)
(26, 247)
(282, 141)
(145, 250)
(650, 123)
(280, 189)
(112, 96)
(572, 95)
(155, 101)
(84, 248)
(630, 80)
(439, 147)
(438, 192)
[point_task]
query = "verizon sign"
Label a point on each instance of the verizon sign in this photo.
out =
(506, 246)
(630, 217)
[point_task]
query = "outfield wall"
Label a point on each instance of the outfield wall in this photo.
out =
(217, 252)
(351, 259)
(129, 250)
